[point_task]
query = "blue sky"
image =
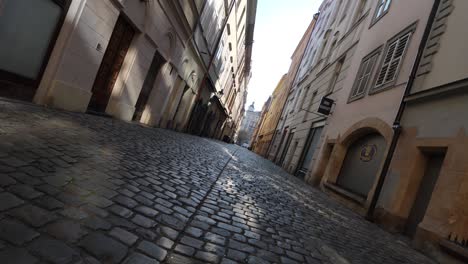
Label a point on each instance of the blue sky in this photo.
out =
(279, 26)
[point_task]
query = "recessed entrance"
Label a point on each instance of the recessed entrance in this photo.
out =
(309, 150)
(286, 148)
(28, 31)
(426, 187)
(111, 64)
(361, 164)
(148, 84)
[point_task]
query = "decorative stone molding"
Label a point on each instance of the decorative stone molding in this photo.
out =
(364, 127)
(433, 43)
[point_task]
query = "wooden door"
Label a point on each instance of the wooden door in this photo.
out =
(148, 84)
(111, 64)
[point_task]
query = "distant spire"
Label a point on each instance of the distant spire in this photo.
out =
(252, 107)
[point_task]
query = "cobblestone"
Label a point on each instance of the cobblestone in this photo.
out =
(124, 236)
(104, 248)
(8, 200)
(152, 250)
(137, 258)
(77, 188)
(53, 250)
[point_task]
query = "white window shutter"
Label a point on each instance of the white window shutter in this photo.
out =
(392, 61)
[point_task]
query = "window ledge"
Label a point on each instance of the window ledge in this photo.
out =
(386, 87)
(345, 193)
(355, 98)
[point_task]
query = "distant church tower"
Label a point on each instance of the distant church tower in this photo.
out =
(252, 107)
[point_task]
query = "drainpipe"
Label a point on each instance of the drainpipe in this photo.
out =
(396, 124)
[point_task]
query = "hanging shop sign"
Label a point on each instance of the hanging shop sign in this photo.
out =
(325, 106)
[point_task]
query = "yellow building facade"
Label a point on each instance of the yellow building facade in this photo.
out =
(271, 118)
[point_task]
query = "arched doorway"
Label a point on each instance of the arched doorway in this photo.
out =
(362, 163)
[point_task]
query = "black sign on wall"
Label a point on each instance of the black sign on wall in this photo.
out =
(325, 106)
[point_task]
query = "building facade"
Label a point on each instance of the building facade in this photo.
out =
(393, 145)
(425, 190)
(281, 130)
(359, 131)
(322, 71)
(247, 127)
(257, 142)
(153, 62)
(271, 114)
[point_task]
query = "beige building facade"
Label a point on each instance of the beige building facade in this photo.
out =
(359, 130)
(424, 192)
(281, 131)
(270, 118)
(322, 72)
(133, 60)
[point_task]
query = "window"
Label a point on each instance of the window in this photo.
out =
(382, 9)
(359, 11)
(345, 11)
(25, 43)
(322, 50)
(392, 60)
(301, 106)
(364, 75)
(330, 52)
(298, 95)
(337, 11)
(241, 17)
(336, 74)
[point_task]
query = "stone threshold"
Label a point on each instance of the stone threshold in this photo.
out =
(345, 193)
(455, 250)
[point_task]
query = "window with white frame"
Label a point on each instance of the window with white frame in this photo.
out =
(382, 8)
(298, 95)
(393, 58)
(364, 75)
(301, 106)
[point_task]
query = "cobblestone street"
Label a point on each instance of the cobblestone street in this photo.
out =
(77, 188)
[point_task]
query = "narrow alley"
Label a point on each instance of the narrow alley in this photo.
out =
(77, 188)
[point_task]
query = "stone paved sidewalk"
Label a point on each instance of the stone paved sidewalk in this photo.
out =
(83, 189)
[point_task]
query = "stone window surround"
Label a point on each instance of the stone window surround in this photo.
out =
(376, 52)
(410, 29)
(376, 18)
(438, 29)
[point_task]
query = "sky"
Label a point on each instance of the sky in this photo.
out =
(279, 27)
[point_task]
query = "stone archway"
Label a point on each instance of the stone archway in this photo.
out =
(362, 163)
(369, 137)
